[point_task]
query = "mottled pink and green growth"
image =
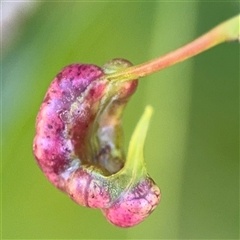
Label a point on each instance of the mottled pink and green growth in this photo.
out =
(78, 144)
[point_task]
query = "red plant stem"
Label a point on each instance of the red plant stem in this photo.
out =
(226, 31)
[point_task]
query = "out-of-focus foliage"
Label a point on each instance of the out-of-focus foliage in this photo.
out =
(192, 144)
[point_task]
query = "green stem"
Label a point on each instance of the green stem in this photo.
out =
(135, 159)
(134, 168)
(226, 31)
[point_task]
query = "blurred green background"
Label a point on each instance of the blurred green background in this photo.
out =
(192, 144)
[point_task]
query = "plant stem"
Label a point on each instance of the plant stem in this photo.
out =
(226, 31)
(135, 160)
